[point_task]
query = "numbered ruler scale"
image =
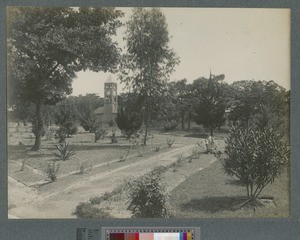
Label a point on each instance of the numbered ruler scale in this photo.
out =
(148, 234)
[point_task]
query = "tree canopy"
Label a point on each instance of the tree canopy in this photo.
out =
(47, 46)
(149, 61)
(210, 101)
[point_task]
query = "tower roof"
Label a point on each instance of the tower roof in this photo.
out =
(110, 79)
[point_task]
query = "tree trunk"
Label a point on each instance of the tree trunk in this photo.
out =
(182, 120)
(189, 123)
(211, 131)
(146, 128)
(40, 127)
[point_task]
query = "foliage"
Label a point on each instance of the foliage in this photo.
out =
(66, 117)
(86, 105)
(88, 210)
(65, 151)
(256, 156)
(47, 46)
(149, 61)
(180, 94)
(100, 134)
(169, 125)
(124, 157)
(179, 162)
(61, 135)
(248, 98)
(51, 170)
(170, 142)
(129, 119)
(23, 163)
(210, 101)
(147, 196)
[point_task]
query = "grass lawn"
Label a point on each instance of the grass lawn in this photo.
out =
(211, 194)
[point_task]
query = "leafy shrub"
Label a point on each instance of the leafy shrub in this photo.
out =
(169, 125)
(65, 151)
(51, 170)
(170, 142)
(179, 162)
(129, 121)
(148, 197)
(23, 163)
(88, 210)
(100, 133)
(256, 156)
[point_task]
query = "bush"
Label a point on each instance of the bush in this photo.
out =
(129, 121)
(169, 125)
(256, 156)
(148, 196)
(100, 133)
(170, 142)
(51, 170)
(88, 210)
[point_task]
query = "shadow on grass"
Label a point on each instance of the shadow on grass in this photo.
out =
(213, 204)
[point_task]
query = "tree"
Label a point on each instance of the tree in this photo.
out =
(255, 155)
(130, 115)
(47, 46)
(181, 94)
(66, 117)
(250, 98)
(85, 107)
(149, 61)
(210, 101)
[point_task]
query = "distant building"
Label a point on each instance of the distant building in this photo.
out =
(108, 113)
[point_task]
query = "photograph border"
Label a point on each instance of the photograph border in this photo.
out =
(237, 228)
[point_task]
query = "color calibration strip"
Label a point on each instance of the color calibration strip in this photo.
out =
(150, 235)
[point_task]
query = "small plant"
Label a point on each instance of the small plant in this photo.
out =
(157, 148)
(141, 151)
(84, 166)
(100, 133)
(49, 134)
(124, 157)
(170, 142)
(169, 125)
(61, 135)
(65, 151)
(23, 163)
(113, 137)
(194, 155)
(51, 170)
(88, 210)
(148, 197)
(178, 163)
(210, 146)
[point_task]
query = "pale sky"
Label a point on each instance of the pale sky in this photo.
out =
(243, 44)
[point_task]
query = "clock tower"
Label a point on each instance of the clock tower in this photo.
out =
(110, 100)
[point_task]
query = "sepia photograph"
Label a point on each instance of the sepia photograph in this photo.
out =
(118, 113)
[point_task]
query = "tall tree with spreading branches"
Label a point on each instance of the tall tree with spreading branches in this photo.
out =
(149, 61)
(210, 101)
(47, 46)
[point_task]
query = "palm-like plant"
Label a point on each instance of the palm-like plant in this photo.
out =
(65, 151)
